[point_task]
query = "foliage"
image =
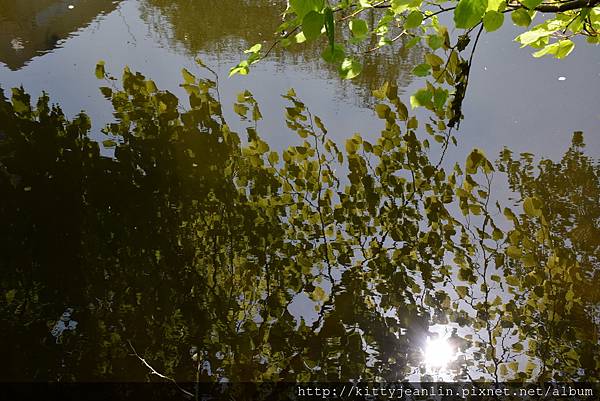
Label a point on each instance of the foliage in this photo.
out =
(559, 265)
(192, 237)
(530, 293)
(340, 28)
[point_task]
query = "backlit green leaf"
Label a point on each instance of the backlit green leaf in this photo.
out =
(422, 97)
(350, 68)
(531, 4)
(435, 41)
(422, 70)
(413, 19)
(303, 7)
(469, 12)
(521, 17)
(558, 49)
(359, 28)
(493, 20)
(336, 56)
(312, 24)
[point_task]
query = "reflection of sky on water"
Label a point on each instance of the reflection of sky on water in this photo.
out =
(122, 38)
(518, 101)
(513, 99)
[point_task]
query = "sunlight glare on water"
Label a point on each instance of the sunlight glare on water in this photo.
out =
(438, 353)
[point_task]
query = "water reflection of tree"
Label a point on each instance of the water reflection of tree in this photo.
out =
(179, 240)
(559, 267)
(187, 238)
(224, 29)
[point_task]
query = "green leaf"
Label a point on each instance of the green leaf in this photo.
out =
(299, 37)
(494, 5)
(312, 25)
(303, 7)
(421, 98)
(521, 17)
(533, 207)
(351, 146)
(381, 92)
(188, 77)
(350, 68)
(382, 110)
(422, 70)
(402, 110)
(151, 86)
(439, 98)
(514, 252)
(399, 6)
(240, 109)
(435, 41)
(570, 295)
(359, 28)
(273, 158)
(412, 42)
(529, 260)
(413, 123)
(106, 91)
(532, 36)
(559, 49)
(100, 72)
(319, 294)
(413, 19)
(434, 60)
(256, 115)
(468, 13)
(10, 296)
(462, 291)
(493, 20)
(335, 56)
(565, 47)
(254, 49)
(475, 159)
(531, 4)
(239, 69)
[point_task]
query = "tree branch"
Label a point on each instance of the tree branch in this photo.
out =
(155, 372)
(561, 7)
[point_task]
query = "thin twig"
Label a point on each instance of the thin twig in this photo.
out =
(275, 43)
(155, 372)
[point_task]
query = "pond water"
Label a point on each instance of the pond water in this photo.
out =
(513, 98)
(116, 259)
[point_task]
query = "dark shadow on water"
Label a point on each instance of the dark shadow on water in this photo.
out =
(30, 28)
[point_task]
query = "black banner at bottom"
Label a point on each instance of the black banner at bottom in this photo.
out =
(297, 391)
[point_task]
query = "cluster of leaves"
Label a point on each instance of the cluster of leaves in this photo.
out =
(526, 297)
(558, 264)
(308, 20)
(190, 235)
(342, 28)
